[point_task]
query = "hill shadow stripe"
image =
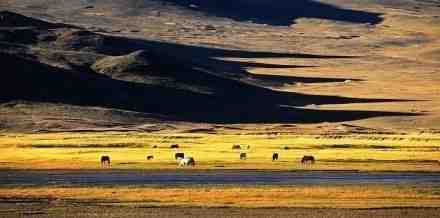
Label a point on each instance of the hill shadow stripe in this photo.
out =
(276, 13)
(29, 80)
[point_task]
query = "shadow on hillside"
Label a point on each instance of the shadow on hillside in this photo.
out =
(279, 80)
(212, 61)
(231, 97)
(11, 19)
(28, 80)
(279, 12)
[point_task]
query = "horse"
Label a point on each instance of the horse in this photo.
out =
(308, 159)
(187, 161)
(150, 157)
(105, 160)
(178, 156)
(243, 156)
(234, 147)
(275, 156)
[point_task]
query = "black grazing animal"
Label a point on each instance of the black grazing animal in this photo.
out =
(308, 159)
(179, 156)
(275, 156)
(243, 156)
(234, 147)
(150, 157)
(105, 160)
(154, 146)
(174, 146)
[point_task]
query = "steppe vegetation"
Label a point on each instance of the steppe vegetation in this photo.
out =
(412, 152)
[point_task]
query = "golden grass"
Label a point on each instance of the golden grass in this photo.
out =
(353, 196)
(129, 150)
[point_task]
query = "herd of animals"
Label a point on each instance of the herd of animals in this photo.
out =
(189, 161)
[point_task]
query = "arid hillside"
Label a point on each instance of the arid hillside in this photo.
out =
(164, 64)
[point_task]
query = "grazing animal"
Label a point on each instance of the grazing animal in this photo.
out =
(154, 146)
(187, 161)
(275, 156)
(308, 159)
(243, 156)
(234, 147)
(178, 156)
(150, 157)
(174, 146)
(105, 160)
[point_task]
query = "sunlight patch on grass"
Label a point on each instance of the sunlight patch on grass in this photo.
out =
(343, 152)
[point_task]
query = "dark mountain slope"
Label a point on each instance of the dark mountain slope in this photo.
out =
(33, 81)
(280, 12)
(180, 82)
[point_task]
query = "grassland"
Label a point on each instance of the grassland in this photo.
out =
(128, 150)
(352, 196)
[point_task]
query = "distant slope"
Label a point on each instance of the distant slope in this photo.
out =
(62, 64)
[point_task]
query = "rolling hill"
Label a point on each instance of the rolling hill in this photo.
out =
(112, 67)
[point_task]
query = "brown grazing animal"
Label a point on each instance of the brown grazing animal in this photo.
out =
(243, 156)
(234, 147)
(308, 159)
(105, 160)
(150, 157)
(275, 156)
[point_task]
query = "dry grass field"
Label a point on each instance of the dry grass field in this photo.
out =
(349, 196)
(412, 152)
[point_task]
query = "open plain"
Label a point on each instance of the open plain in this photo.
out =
(355, 84)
